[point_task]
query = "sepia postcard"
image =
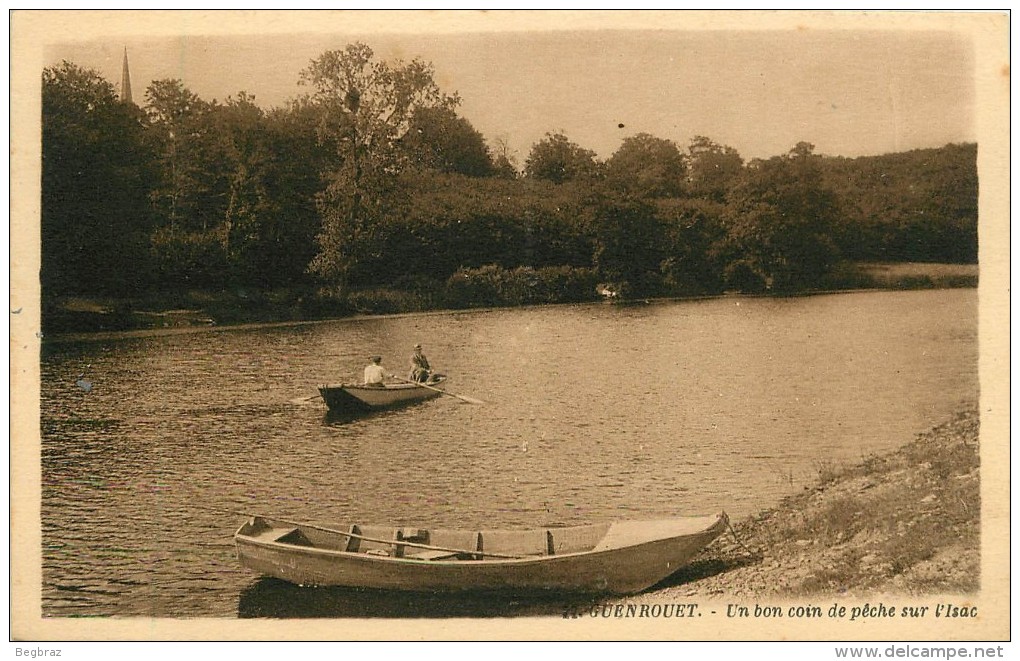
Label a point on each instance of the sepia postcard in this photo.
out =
(458, 325)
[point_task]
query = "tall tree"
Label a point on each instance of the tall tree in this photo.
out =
(504, 161)
(96, 177)
(249, 215)
(555, 158)
(187, 196)
(780, 226)
(438, 139)
(292, 182)
(366, 109)
(712, 169)
(646, 166)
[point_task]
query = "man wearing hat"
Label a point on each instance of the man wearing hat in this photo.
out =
(420, 368)
(374, 373)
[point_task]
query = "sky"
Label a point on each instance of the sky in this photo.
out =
(849, 92)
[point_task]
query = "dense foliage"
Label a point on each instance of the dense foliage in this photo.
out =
(97, 176)
(373, 180)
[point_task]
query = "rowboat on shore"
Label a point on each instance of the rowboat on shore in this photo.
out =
(621, 557)
(350, 398)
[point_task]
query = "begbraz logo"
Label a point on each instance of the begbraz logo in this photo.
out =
(33, 653)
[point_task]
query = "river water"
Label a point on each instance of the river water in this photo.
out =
(591, 413)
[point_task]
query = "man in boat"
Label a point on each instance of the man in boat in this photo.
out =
(421, 371)
(374, 373)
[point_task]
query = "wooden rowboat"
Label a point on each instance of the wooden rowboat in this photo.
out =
(349, 398)
(619, 558)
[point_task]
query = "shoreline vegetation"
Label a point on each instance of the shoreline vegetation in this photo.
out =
(907, 522)
(492, 287)
(370, 194)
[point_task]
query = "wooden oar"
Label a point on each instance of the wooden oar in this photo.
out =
(303, 400)
(469, 400)
(391, 542)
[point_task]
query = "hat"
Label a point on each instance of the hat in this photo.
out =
(417, 346)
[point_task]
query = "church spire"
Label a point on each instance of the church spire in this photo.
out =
(125, 84)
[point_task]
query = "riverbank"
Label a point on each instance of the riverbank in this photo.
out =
(201, 309)
(904, 523)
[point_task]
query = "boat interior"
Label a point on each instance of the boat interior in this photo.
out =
(432, 544)
(403, 385)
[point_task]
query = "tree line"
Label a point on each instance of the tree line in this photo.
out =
(372, 179)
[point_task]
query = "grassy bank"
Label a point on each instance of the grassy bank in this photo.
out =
(906, 523)
(469, 288)
(903, 276)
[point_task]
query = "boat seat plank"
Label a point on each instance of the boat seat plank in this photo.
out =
(414, 534)
(275, 534)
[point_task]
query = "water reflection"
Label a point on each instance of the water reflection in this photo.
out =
(270, 597)
(339, 418)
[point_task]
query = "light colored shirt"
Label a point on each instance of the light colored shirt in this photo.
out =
(374, 374)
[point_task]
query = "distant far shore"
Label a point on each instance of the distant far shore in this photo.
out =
(76, 316)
